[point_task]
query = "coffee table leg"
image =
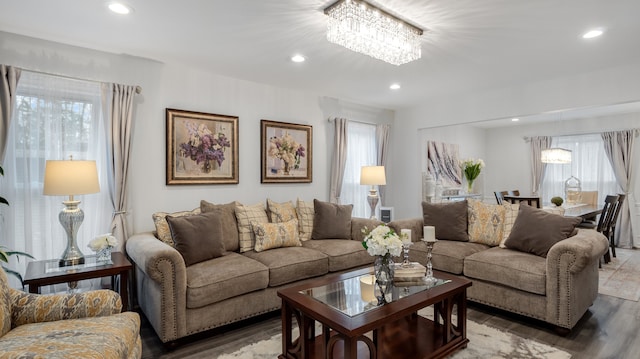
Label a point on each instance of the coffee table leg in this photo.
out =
(287, 340)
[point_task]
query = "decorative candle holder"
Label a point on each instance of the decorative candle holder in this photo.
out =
(405, 248)
(429, 278)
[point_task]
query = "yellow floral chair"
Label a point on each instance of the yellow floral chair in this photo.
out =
(85, 325)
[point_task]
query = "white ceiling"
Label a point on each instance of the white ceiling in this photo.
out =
(469, 45)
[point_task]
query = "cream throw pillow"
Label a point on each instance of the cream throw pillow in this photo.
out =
(510, 215)
(276, 235)
(281, 212)
(245, 215)
(486, 222)
(162, 227)
(305, 213)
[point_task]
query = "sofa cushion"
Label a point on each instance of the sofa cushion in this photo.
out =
(227, 215)
(305, 213)
(510, 214)
(536, 230)
(245, 215)
(486, 222)
(511, 268)
(276, 235)
(342, 254)
(291, 264)
(281, 212)
(450, 219)
(448, 256)
(113, 336)
(224, 277)
(331, 221)
(197, 238)
(162, 227)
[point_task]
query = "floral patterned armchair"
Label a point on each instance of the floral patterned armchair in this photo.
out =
(66, 325)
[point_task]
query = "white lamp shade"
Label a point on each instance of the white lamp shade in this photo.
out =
(372, 175)
(555, 155)
(68, 178)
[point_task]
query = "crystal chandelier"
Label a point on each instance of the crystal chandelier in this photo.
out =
(364, 28)
(555, 155)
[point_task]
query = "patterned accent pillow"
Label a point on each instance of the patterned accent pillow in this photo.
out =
(276, 235)
(305, 214)
(510, 215)
(5, 304)
(486, 222)
(281, 212)
(245, 215)
(162, 227)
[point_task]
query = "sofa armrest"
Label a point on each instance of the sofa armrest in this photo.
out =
(578, 251)
(161, 283)
(358, 224)
(36, 308)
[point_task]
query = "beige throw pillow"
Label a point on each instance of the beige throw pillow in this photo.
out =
(305, 213)
(245, 215)
(276, 235)
(281, 212)
(510, 215)
(486, 222)
(162, 227)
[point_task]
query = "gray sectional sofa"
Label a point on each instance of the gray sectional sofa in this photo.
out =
(181, 300)
(557, 289)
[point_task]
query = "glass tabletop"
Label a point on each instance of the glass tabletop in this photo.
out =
(90, 261)
(354, 296)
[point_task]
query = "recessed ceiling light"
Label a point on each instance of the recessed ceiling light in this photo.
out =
(298, 58)
(395, 86)
(515, 119)
(592, 33)
(120, 8)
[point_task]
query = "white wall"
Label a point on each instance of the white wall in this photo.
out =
(608, 86)
(176, 86)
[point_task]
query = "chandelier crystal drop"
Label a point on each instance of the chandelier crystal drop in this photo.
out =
(363, 28)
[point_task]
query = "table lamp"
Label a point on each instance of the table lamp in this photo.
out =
(69, 178)
(372, 176)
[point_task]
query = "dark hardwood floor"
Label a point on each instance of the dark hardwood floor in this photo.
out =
(610, 329)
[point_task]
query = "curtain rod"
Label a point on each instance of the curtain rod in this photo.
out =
(138, 87)
(331, 120)
(636, 132)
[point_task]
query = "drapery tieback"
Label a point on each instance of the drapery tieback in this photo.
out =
(119, 212)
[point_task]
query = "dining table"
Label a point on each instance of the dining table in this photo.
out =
(586, 211)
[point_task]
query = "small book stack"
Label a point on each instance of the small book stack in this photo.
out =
(414, 273)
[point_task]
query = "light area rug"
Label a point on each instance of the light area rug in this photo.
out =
(621, 277)
(484, 342)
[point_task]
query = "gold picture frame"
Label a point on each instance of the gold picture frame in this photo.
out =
(202, 148)
(286, 151)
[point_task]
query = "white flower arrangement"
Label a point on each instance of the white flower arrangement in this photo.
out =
(381, 241)
(103, 241)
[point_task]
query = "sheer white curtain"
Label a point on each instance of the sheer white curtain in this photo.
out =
(361, 151)
(589, 164)
(54, 118)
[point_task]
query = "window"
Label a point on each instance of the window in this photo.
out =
(54, 118)
(361, 151)
(589, 164)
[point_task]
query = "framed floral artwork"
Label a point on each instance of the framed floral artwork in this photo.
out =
(286, 152)
(202, 148)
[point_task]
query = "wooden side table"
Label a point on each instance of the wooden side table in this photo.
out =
(48, 272)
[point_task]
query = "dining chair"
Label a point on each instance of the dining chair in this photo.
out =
(530, 200)
(614, 220)
(500, 195)
(606, 217)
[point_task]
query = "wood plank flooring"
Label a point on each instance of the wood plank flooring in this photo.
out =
(610, 329)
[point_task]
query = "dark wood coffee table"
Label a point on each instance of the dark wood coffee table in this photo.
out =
(395, 329)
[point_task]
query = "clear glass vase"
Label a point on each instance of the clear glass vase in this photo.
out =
(104, 255)
(383, 270)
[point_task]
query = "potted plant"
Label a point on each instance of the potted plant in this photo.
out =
(557, 201)
(5, 252)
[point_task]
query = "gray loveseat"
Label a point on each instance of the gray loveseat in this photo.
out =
(557, 289)
(181, 300)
